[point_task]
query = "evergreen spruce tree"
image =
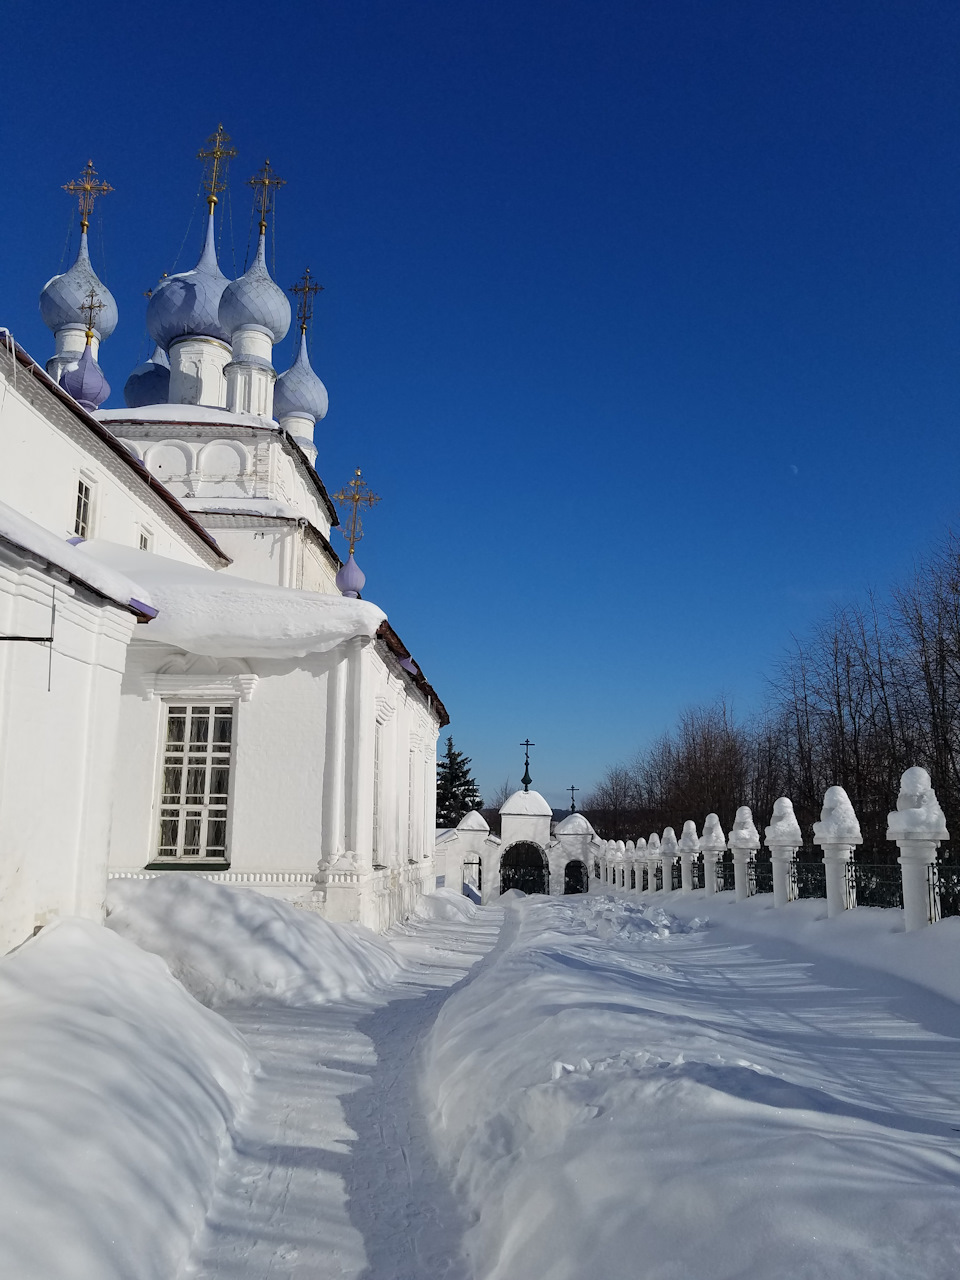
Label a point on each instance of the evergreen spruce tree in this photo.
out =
(457, 792)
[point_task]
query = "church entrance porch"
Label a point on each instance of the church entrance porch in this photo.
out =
(524, 866)
(575, 877)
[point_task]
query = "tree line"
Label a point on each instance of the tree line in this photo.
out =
(873, 689)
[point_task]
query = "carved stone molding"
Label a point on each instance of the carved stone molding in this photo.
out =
(200, 678)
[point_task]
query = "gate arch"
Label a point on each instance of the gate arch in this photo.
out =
(524, 866)
(575, 877)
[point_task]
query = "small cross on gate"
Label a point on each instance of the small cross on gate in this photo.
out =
(573, 803)
(526, 779)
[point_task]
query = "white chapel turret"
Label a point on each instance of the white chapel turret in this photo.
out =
(255, 311)
(183, 315)
(64, 297)
(300, 398)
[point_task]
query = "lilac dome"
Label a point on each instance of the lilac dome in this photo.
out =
(149, 383)
(85, 382)
(350, 579)
(63, 297)
(299, 392)
(188, 303)
(255, 299)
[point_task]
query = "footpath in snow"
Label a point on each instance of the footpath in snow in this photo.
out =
(568, 1089)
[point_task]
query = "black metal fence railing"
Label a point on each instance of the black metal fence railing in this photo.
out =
(643, 879)
(658, 878)
(809, 878)
(697, 869)
(763, 874)
(876, 884)
(675, 878)
(725, 877)
(948, 883)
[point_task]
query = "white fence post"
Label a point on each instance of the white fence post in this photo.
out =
(641, 862)
(689, 846)
(783, 839)
(668, 852)
(653, 857)
(836, 833)
(712, 843)
(918, 826)
(744, 841)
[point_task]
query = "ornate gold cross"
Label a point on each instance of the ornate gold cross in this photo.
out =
(262, 183)
(216, 156)
(87, 188)
(356, 494)
(305, 290)
(91, 305)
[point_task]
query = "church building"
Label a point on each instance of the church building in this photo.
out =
(184, 658)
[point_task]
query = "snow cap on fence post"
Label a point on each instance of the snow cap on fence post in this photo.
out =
(918, 826)
(836, 833)
(689, 845)
(713, 842)
(783, 838)
(668, 851)
(743, 841)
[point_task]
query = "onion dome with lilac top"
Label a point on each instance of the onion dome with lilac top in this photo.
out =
(62, 299)
(255, 300)
(188, 304)
(350, 579)
(299, 392)
(149, 383)
(85, 382)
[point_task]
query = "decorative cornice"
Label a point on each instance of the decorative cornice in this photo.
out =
(200, 685)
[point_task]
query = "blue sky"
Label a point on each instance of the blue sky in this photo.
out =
(641, 317)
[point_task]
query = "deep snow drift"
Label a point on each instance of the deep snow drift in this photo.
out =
(622, 1093)
(229, 945)
(117, 1095)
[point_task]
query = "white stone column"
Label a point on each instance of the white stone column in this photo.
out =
(689, 845)
(713, 842)
(783, 839)
(744, 842)
(669, 849)
(836, 833)
(640, 861)
(918, 826)
(653, 858)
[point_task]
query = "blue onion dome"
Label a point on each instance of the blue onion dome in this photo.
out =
(256, 300)
(85, 381)
(299, 390)
(188, 303)
(63, 297)
(350, 579)
(150, 382)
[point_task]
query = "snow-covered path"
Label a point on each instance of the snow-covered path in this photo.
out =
(734, 1103)
(333, 1176)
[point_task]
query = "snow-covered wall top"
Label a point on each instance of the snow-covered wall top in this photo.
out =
(222, 616)
(527, 804)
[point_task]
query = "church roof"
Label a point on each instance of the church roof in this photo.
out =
(188, 303)
(62, 299)
(473, 821)
(528, 803)
(255, 299)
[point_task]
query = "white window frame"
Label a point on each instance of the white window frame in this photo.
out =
(205, 809)
(146, 538)
(83, 519)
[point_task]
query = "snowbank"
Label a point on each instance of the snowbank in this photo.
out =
(229, 945)
(222, 616)
(444, 904)
(117, 1093)
(620, 1094)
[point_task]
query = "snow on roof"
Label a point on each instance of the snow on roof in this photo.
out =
(184, 413)
(575, 824)
(223, 616)
(115, 585)
(473, 821)
(530, 803)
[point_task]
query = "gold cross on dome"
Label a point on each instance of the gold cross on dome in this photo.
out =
(87, 189)
(216, 156)
(305, 290)
(351, 499)
(262, 183)
(91, 305)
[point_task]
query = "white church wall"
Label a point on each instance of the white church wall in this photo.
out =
(48, 450)
(282, 552)
(57, 747)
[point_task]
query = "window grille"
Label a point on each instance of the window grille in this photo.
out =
(195, 787)
(81, 525)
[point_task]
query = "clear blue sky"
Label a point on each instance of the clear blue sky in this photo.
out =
(641, 316)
